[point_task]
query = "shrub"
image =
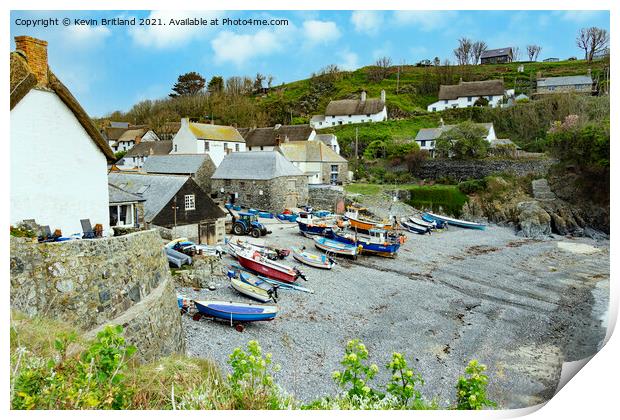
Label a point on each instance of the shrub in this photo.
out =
(472, 186)
(375, 150)
(465, 141)
(357, 372)
(120, 154)
(586, 145)
(403, 381)
(471, 390)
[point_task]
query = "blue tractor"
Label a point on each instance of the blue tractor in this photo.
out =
(247, 224)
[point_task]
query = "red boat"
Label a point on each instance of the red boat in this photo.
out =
(254, 261)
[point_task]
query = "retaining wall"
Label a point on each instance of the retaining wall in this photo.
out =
(469, 169)
(91, 283)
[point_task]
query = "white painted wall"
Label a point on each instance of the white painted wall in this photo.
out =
(150, 136)
(58, 173)
(262, 148)
(463, 102)
(312, 169)
(184, 141)
(334, 120)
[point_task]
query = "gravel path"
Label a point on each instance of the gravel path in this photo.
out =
(520, 306)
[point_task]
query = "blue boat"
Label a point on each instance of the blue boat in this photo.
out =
(287, 217)
(439, 223)
(253, 211)
(309, 226)
(321, 213)
(335, 247)
(376, 242)
(237, 311)
(455, 222)
(265, 215)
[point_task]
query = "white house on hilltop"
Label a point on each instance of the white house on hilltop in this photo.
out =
(352, 111)
(215, 140)
(465, 94)
(58, 157)
(427, 137)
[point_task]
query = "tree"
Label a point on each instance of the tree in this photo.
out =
(381, 69)
(188, 84)
(258, 82)
(533, 51)
(269, 81)
(464, 141)
(516, 54)
(463, 52)
(481, 101)
(216, 85)
(477, 48)
(592, 40)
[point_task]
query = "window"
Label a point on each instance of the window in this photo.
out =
(334, 168)
(206, 146)
(445, 101)
(121, 215)
(432, 144)
(262, 148)
(423, 143)
(320, 123)
(434, 109)
(190, 202)
(175, 147)
(333, 123)
(237, 147)
(349, 115)
(469, 99)
(490, 97)
(368, 115)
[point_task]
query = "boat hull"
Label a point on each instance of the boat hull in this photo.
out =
(249, 290)
(335, 247)
(311, 229)
(382, 249)
(251, 264)
(413, 228)
(457, 222)
(237, 312)
(366, 225)
(313, 260)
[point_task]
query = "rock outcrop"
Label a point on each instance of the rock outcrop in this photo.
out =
(533, 220)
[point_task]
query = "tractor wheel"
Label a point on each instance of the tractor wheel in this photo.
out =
(238, 229)
(255, 233)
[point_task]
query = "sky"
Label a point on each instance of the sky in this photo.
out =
(111, 68)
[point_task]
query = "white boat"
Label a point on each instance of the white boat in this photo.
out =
(313, 260)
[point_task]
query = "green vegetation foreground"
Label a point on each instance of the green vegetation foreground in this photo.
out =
(52, 367)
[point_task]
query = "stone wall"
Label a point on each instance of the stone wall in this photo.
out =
(468, 169)
(91, 283)
(326, 197)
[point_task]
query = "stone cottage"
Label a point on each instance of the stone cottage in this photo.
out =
(317, 160)
(261, 180)
(58, 157)
(199, 166)
(267, 138)
(177, 203)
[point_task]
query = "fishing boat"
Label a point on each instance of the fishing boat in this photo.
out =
(377, 241)
(439, 223)
(335, 247)
(251, 286)
(265, 215)
(423, 223)
(258, 263)
(280, 284)
(310, 225)
(268, 251)
(457, 222)
(414, 228)
(287, 217)
(236, 311)
(313, 260)
(360, 223)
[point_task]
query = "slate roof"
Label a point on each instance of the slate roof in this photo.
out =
(260, 165)
(175, 164)
(434, 133)
(118, 195)
(309, 151)
(157, 190)
(564, 81)
(22, 80)
(354, 107)
(215, 132)
(497, 52)
(146, 148)
(266, 136)
(463, 89)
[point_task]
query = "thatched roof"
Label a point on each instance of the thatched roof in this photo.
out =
(22, 80)
(255, 137)
(463, 89)
(215, 132)
(354, 107)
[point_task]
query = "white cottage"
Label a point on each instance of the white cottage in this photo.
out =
(465, 95)
(215, 140)
(58, 157)
(352, 111)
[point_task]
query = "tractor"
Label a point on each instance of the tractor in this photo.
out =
(247, 224)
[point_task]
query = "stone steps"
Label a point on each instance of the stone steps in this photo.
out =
(541, 190)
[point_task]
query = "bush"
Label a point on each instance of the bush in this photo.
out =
(471, 390)
(472, 186)
(120, 154)
(357, 372)
(465, 141)
(586, 145)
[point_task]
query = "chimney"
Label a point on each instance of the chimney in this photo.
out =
(441, 123)
(277, 140)
(590, 72)
(185, 122)
(36, 54)
(363, 96)
(277, 126)
(460, 80)
(137, 140)
(382, 95)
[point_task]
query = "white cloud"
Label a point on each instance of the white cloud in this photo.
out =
(320, 32)
(425, 20)
(348, 60)
(171, 36)
(578, 16)
(86, 35)
(240, 48)
(367, 21)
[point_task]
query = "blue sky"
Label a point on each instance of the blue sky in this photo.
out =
(111, 68)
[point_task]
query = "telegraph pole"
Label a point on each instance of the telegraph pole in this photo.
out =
(356, 131)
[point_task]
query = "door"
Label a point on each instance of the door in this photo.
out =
(290, 201)
(206, 234)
